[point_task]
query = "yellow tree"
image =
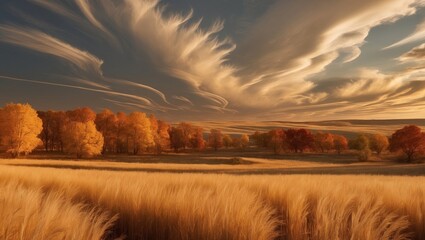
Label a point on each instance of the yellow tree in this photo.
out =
(140, 132)
(227, 141)
(82, 139)
(379, 143)
(19, 128)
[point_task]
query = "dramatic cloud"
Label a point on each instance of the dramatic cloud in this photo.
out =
(416, 54)
(418, 34)
(41, 42)
(145, 55)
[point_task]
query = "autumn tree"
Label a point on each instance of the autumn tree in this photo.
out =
(410, 140)
(82, 139)
(215, 139)
(227, 141)
(340, 143)
(19, 129)
(121, 133)
(106, 122)
(324, 141)
(46, 132)
(139, 132)
(162, 137)
(187, 132)
(154, 130)
(378, 143)
(277, 138)
(53, 126)
(197, 138)
(299, 139)
(84, 114)
(176, 138)
(244, 141)
(362, 144)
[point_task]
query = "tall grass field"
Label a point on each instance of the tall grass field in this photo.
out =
(44, 203)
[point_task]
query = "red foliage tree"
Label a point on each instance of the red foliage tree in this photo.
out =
(410, 140)
(197, 139)
(176, 138)
(215, 139)
(299, 139)
(340, 143)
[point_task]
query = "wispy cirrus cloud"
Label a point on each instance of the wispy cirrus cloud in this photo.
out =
(44, 43)
(271, 69)
(417, 35)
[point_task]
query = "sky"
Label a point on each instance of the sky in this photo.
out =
(259, 60)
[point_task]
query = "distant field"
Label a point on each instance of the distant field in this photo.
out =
(230, 162)
(346, 127)
(52, 203)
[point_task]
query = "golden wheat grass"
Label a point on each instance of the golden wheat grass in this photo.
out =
(212, 206)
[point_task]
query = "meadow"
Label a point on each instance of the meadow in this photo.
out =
(209, 199)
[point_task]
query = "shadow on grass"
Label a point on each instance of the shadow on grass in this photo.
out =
(224, 156)
(389, 169)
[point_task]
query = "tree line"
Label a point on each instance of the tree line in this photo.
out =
(84, 133)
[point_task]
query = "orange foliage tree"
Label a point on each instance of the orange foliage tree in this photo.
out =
(340, 143)
(277, 140)
(139, 132)
(121, 136)
(378, 143)
(162, 137)
(215, 139)
(160, 134)
(106, 123)
(410, 140)
(324, 141)
(197, 139)
(187, 133)
(84, 114)
(82, 139)
(19, 129)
